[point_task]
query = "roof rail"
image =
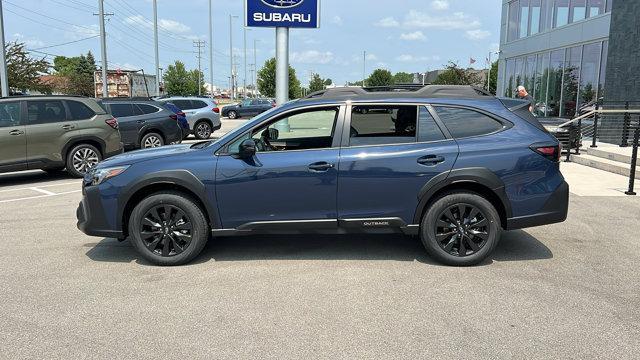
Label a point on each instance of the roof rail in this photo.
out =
(125, 98)
(432, 91)
(43, 95)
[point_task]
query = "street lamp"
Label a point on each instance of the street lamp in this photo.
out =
(231, 17)
(255, 67)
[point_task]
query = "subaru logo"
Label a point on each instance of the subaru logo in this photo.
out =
(281, 4)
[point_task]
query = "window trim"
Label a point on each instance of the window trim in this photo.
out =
(335, 143)
(70, 114)
(506, 124)
(67, 113)
(158, 109)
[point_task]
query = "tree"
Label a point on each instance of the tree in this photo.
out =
(75, 74)
(178, 80)
(196, 77)
(267, 80)
(402, 78)
(455, 75)
(380, 77)
(23, 72)
(316, 83)
(328, 82)
(493, 78)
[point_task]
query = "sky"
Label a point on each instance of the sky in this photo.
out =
(401, 35)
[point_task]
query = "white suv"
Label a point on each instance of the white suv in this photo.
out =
(202, 114)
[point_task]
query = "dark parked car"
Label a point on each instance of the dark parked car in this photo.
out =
(144, 123)
(447, 163)
(247, 108)
(55, 132)
(182, 119)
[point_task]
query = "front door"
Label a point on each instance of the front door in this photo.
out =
(13, 139)
(390, 152)
(292, 177)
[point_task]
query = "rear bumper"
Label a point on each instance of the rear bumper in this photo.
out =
(91, 217)
(554, 211)
(118, 151)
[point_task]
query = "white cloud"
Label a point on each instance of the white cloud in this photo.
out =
(337, 20)
(30, 42)
(312, 57)
(413, 36)
(477, 34)
(173, 26)
(456, 21)
(440, 5)
(387, 22)
(411, 58)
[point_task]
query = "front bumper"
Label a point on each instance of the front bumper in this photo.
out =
(554, 211)
(91, 217)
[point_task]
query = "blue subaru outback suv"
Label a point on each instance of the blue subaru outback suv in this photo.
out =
(451, 164)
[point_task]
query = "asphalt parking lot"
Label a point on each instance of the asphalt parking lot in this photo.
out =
(557, 292)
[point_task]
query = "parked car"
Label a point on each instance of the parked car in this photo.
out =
(55, 132)
(144, 123)
(182, 119)
(447, 163)
(202, 113)
(247, 108)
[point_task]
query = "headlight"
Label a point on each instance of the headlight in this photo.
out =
(98, 176)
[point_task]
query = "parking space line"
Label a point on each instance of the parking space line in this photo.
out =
(46, 192)
(40, 196)
(40, 187)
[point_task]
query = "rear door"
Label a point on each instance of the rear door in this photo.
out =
(129, 121)
(13, 155)
(48, 129)
(389, 153)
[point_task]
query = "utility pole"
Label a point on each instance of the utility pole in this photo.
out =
(155, 43)
(4, 80)
(233, 93)
(364, 67)
(199, 44)
(103, 45)
(211, 47)
(489, 73)
(255, 67)
(282, 73)
(245, 61)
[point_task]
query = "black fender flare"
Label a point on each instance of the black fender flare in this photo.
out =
(475, 175)
(182, 178)
(78, 139)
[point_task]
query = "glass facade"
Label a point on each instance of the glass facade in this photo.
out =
(529, 17)
(560, 80)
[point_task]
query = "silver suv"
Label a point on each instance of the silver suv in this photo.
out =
(202, 114)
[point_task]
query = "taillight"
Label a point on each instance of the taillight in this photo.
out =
(113, 122)
(273, 105)
(174, 117)
(216, 110)
(550, 152)
(180, 113)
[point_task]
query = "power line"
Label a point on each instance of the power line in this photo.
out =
(66, 43)
(72, 6)
(34, 20)
(47, 16)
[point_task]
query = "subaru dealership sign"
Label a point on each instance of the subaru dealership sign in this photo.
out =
(282, 13)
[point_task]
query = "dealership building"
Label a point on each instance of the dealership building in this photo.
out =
(570, 52)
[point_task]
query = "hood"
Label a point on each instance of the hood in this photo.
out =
(146, 154)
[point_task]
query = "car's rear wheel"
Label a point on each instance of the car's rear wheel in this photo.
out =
(168, 228)
(232, 114)
(81, 158)
(460, 229)
(151, 140)
(202, 130)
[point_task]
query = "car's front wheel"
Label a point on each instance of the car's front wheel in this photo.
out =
(168, 228)
(460, 229)
(232, 114)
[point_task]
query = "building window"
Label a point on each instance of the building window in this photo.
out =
(596, 7)
(578, 10)
(603, 68)
(512, 26)
(524, 18)
(609, 5)
(529, 74)
(570, 85)
(510, 84)
(589, 71)
(561, 13)
(540, 85)
(519, 72)
(554, 94)
(535, 13)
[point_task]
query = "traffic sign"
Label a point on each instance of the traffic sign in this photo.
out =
(282, 13)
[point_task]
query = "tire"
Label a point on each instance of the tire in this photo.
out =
(177, 251)
(81, 158)
(480, 231)
(202, 130)
(151, 140)
(232, 114)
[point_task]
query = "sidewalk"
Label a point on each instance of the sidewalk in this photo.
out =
(586, 181)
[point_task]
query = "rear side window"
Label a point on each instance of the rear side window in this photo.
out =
(147, 109)
(79, 111)
(465, 123)
(428, 130)
(198, 104)
(183, 104)
(383, 124)
(10, 114)
(124, 110)
(45, 112)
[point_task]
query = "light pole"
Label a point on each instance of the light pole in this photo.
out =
(4, 86)
(489, 71)
(255, 67)
(364, 67)
(160, 80)
(245, 60)
(211, 46)
(155, 44)
(233, 93)
(103, 45)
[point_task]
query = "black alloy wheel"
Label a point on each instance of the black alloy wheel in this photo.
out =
(166, 230)
(462, 230)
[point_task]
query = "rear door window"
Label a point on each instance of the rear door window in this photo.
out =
(198, 104)
(183, 104)
(45, 112)
(466, 123)
(79, 111)
(10, 114)
(123, 110)
(147, 109)
(383, 124)
(428, 130)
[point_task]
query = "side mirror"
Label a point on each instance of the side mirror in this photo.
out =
(247, 149)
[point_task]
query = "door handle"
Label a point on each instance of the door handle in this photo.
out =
(320, 166)
(141, 121)
(68, 127)
(16, 132)
(430, 160)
